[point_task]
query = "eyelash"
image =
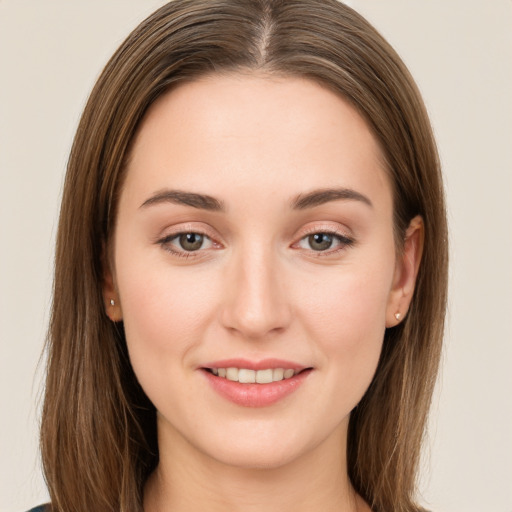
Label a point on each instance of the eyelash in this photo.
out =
(165, 243)
(343, 240)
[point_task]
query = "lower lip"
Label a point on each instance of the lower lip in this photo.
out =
(255, 395)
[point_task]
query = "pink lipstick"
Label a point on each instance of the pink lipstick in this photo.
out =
(255, 384)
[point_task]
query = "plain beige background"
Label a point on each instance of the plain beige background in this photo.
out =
(460, 52)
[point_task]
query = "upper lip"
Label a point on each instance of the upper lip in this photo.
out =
(263, 364)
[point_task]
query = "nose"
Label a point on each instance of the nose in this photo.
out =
(256, 304)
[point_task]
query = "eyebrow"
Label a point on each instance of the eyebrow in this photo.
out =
(326, 195)
(300, 202)
(200, 201)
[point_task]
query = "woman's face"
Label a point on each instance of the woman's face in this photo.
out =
(254, 232)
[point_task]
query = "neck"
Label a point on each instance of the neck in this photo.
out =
(186, 479)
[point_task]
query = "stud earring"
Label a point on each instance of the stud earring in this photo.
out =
(112, 302)
(398, 316)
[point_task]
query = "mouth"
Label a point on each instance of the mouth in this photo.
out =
(251, 384)
(249, 376)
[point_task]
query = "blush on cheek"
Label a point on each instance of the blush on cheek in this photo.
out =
(165, 312)
(347, 317)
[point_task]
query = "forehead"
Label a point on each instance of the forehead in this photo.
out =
(263, 132)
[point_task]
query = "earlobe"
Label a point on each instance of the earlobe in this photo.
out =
(110, 294)
(406, 272)
(113, 310)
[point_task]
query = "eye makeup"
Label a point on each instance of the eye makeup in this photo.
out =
(320, 242)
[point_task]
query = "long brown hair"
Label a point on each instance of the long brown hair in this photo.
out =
(98, 433)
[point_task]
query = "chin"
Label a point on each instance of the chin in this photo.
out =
(271, 449)
(257, 458)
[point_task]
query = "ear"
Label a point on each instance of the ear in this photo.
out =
(109, 288)
(406, 271)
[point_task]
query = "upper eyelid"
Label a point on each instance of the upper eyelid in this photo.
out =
(187, 228)
(173, 236)
(333, 231)
(324, 228)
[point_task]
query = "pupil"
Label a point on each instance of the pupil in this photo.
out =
(191, 241)
(320, 241)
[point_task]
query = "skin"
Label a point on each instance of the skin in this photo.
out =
(257, 288)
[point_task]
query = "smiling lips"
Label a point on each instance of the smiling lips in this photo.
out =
(255, 384)
(247, 376)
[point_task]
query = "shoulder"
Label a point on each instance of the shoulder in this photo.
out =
(40, 508)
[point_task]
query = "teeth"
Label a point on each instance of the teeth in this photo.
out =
(277, 374)
(232, 374)
(247, 376)
(264, 376)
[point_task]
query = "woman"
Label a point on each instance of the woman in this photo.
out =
(251, 270)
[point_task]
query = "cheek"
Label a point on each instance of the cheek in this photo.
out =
(164, 309)
(350, 301)
(346, 316)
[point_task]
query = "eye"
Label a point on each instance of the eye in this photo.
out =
(320, 241)
(324, 241)
(180, 243)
